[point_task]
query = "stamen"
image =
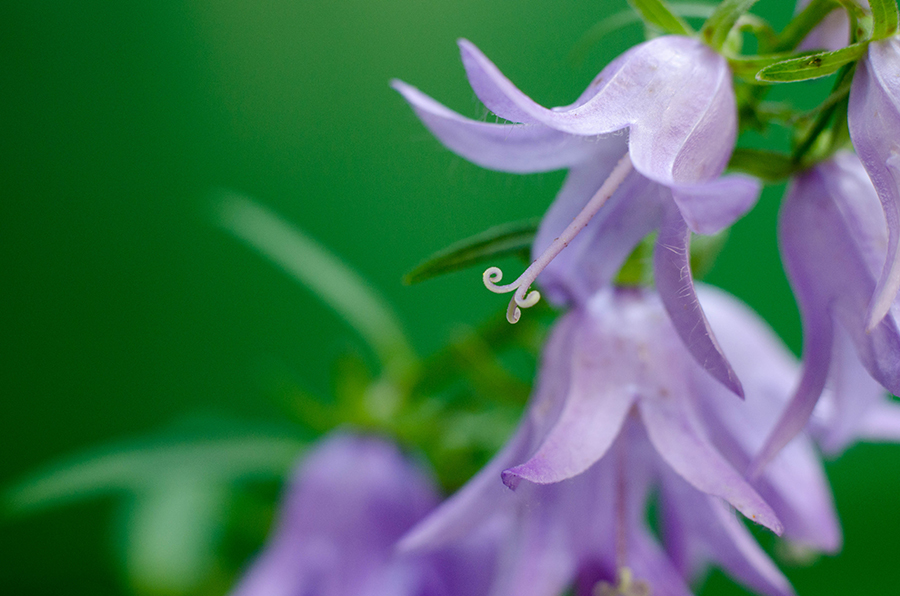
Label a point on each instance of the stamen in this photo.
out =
(522, 298)
(626, 585)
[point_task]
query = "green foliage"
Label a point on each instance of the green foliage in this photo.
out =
(716, 29)
(338, 286)
(138, 467)
(812, 66)
(509, 239)
(658, 14)
(804, 22)
(769, 166)
(885, 17)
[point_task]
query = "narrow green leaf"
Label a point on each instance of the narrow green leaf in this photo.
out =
(746, 67)
(499, 241)
(812, 66)
(336, 284)
(804, 22)
(658, 14)
(137, 467)
(717, 27)
(769, 166)
(886, 18)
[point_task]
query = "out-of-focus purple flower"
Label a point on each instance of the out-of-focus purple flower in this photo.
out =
(348, 503)
(621, 412)
(833, 241)
(674, 98)
(874, 120)
(833, 33)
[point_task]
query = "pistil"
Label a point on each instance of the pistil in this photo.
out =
(523, 298)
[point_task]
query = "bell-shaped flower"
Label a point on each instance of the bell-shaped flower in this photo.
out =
(349, 501)
(645, 146)
(874, 120)
(833, 241)
(622, 412)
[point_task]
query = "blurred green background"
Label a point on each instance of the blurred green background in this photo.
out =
(125, 308)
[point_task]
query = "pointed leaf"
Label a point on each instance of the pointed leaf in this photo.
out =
(886, 17)
(336, 284)
(812, 66)
(658, 14)
(506, 239)
(746, 67)
(717, 27)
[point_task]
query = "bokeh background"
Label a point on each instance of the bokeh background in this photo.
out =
(125, 310)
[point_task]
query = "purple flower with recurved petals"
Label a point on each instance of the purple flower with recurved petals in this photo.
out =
(348, 503)
(834, 242)
(622, 412)
(673, 96)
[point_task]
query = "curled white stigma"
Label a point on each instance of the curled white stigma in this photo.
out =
(522, 298)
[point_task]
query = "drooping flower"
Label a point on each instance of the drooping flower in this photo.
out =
(347, 504)
(834, 242)
(874, 120)
(674, 98)
(620, 413)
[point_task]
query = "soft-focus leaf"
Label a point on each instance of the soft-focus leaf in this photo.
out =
(500, 241)
(886, 18)
(171, 534)
(812, 66)
(769, 166)
(765, 35)
(138, 467)
(658, 14)
(338, 286)
(717, 27)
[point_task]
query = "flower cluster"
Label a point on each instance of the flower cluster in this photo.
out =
(669, 396)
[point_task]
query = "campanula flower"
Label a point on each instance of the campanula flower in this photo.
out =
(672, 104)
(874, 120)
(622, 412)
(347, 504)
(834, 240)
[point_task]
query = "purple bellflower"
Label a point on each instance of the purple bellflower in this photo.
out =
(620, 411)
(874, 120)
(673, 97)
(834, 240)
(347, 504)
